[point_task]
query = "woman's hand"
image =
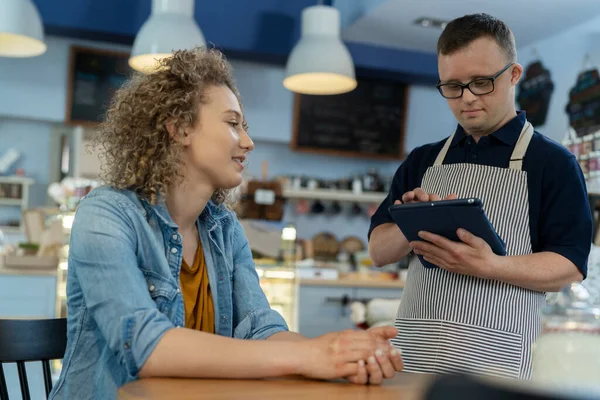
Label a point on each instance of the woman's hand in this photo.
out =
(360, 356)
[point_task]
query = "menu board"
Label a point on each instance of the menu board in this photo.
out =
(584, 103)
(535, 91)
(94, 76)
(368, 122)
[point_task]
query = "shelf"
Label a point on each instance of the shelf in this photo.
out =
(16, 179)
(333, 195)
(362, 283)
(11, 229)
(10, 202)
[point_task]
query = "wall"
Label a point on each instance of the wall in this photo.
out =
(33, 99)
(563, 55)
(31, 139)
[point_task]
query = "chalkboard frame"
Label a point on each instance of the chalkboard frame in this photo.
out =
(74, 51)
(399, 155)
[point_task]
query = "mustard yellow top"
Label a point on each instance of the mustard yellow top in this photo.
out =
(197, 297)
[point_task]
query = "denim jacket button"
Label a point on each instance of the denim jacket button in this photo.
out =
(178, 290)
(173, 250)
(151, 288)
(175, 237)
(127, 345)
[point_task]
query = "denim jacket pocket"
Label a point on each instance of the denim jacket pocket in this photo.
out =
(162, 289)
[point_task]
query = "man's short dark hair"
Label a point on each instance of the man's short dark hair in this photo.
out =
(460, 32)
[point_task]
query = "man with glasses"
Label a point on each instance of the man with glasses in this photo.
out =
(478, 312)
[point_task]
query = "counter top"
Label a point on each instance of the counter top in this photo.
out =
(27, 271)
(361, 283)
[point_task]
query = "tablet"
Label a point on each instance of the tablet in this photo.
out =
(443, 218)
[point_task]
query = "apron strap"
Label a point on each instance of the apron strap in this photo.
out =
(442, 154)
(516, 158)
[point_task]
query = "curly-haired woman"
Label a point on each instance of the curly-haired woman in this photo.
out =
(161, 280)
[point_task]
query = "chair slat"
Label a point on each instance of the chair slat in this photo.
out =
(23, 380)
(31, 340)
(47, 377)
(3, 388)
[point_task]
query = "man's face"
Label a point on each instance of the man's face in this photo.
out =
(482, 58)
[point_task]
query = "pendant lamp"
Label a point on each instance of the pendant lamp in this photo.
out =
(171, 26)
(320, 63)
(21, 29)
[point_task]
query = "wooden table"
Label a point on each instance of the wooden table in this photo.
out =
(402, 387)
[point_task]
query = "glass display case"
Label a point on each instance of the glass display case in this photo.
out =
(278, 281)
(61, 274)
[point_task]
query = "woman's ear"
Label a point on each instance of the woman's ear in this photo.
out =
(178, 133)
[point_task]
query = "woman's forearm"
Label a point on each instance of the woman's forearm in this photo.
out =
(193, 354)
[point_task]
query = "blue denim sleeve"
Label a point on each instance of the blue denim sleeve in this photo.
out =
(253, 317)
(102, 258)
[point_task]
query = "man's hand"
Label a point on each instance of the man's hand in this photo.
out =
(472, 256)
(419, 195)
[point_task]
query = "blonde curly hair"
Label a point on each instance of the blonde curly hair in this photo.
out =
(136, 151)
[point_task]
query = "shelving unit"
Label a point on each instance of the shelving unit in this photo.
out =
(21, 201)
(10, 202)
(334, 195)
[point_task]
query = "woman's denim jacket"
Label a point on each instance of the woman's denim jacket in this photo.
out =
(123, 288)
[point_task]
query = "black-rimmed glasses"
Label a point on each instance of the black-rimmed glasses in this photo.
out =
(478, 87)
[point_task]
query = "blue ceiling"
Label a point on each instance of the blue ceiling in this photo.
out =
(253, 30)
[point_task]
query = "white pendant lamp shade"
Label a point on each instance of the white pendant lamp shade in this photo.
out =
(21, 29)
(320, 63)
(171, 26)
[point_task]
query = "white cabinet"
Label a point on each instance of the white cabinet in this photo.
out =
(14, 193)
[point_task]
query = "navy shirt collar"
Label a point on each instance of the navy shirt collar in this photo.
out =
(508, 134)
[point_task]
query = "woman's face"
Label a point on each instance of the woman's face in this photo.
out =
(216, 148)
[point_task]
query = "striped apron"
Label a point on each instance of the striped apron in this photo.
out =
(452, 323)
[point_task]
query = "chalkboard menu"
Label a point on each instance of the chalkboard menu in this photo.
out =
(584, 103)
(94, 77)
(367, 122)
(535, 91)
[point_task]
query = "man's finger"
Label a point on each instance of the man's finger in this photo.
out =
(421, 195)
(434, 197)
(436, 261)
(424, 249)
(438, 240)
(408, 197)
(470, 239)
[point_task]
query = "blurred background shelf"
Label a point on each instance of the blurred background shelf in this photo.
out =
(334, 195)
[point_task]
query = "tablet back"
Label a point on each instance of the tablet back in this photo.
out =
(444, 218)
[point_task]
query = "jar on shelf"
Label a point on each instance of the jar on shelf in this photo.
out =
(577, 147)
(593, 164)
(587, 145)
(597, 141)
(584, 164)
